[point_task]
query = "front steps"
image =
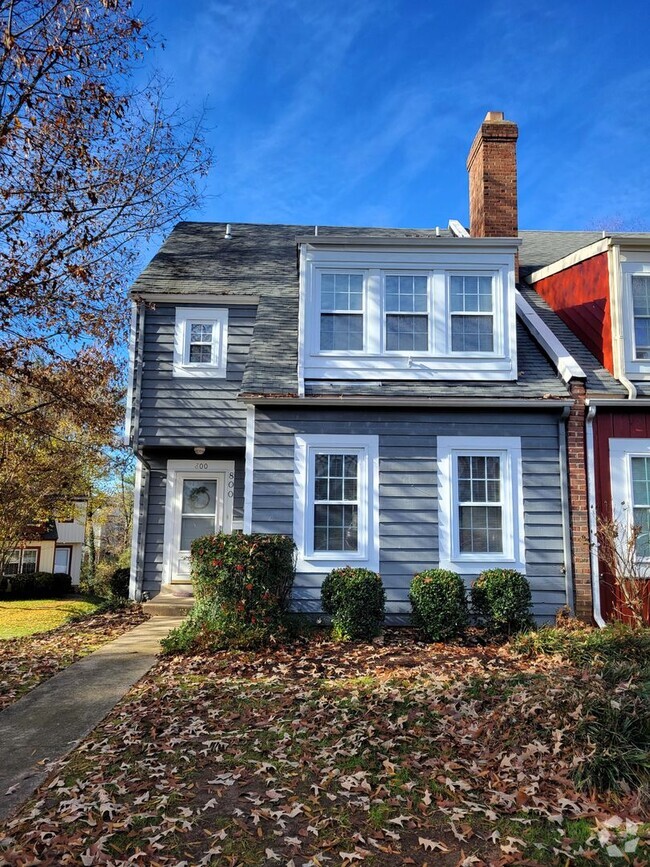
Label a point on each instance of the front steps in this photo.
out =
(174, 600)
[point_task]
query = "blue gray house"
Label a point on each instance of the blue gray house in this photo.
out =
(387, 397)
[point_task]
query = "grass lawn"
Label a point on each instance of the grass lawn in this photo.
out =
(336, 754)
(27, 616)
(28, 660)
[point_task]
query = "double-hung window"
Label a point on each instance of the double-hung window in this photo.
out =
(630, 479)
(640, 289)
(22, 560)
(200, 342)
(342, 312)
(335, 501)
(406, 306)
(635, 277)
(480, 503)
(471, 313)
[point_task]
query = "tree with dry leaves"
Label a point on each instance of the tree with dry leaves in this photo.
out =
(91, 166)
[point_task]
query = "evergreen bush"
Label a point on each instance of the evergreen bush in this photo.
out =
(439, 604)
(501, 598)
(356, 601)
(242, 584)
(119, 583)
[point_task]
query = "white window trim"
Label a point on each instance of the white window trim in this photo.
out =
(621, 452)
(439, 362)
(194, 469)
(514, 552)
(218, 318)
(633, 366)
(367, 448)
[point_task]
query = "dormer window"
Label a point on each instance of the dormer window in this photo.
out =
(200, 342)
(471, 313)
(342, 309)
(409, 314)
(406, 301)
(641, 311)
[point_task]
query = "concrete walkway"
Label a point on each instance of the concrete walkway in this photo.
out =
(49, 721)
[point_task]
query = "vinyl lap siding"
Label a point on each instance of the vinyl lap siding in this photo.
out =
(155, 516)
(174, 411)
(408, 490)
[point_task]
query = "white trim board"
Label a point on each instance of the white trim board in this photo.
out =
(249, 479)
(567, 366)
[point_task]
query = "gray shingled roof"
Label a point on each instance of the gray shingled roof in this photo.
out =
(261, 260)
(599, 380)
(541, 248)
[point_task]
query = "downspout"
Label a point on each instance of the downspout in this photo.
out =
(564, 495)
(593, 518)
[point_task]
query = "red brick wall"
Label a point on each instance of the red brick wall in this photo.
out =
(578, 505)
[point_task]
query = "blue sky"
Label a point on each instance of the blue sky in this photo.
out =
(361, 112)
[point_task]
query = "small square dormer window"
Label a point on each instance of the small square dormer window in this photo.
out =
(200, 342)
(640, 290)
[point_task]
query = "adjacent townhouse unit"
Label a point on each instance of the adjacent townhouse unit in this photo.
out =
(53, 546)
(387, 397)
(599, 287)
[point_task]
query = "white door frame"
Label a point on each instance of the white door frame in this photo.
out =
(177, 471)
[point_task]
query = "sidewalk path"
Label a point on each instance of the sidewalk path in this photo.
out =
(50, 720)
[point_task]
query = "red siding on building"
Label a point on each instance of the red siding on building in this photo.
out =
(611, 424)
(580, 296)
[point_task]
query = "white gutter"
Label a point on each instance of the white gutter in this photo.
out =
(567, 366)
(135, 534)
(593, 517)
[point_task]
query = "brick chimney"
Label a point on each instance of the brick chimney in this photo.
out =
(492, 167)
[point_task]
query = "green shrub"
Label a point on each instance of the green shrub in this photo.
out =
(31, 585)
(242, 585)
(251, 575)
(62, 583)
(119, 583)
(356, 601)
(501, 598)
(207, 628)
(439, 604)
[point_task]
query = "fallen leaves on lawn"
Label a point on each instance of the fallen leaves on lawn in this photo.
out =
(26, 662)
(325, 754)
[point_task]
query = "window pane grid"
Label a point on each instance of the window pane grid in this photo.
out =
(201, 342)
(341, 293)
(641, 308)
(471, 313)
(336, 507)
(480, 512)
(641, 503)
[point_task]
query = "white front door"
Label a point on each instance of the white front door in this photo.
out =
(199, 502)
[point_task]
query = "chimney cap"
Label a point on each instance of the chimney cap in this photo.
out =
(493, 116)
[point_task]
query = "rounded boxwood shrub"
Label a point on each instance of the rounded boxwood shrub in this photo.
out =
(439, 604)
(62, 583)
(118, 583)
(356, 601)
(501, 598)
